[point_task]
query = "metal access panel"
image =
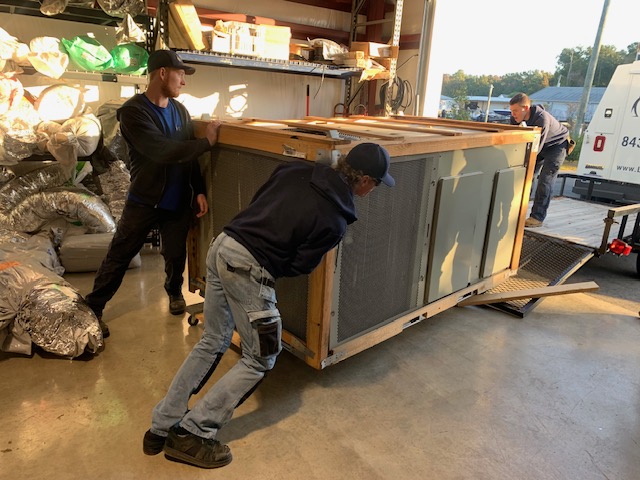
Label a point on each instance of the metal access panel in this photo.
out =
(503, 220)
(379, 262)
(452, 240)
(232, 177)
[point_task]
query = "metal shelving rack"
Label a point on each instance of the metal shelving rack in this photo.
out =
(72, 13)
(357, 6)
(282, 66)
(237, 61)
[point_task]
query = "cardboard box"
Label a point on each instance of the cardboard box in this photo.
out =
(372, 49)
(276, 42)
(220, 42)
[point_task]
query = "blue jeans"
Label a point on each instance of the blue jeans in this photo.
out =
(548, 164)
(237, 295)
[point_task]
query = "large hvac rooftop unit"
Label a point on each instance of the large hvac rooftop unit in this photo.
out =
(451, 227)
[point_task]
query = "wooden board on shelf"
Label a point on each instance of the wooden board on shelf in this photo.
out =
(187, 22)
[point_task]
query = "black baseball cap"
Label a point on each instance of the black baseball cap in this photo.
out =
(373, 160)
(167, 58)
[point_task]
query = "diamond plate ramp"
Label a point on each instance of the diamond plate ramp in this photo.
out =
(544, 261)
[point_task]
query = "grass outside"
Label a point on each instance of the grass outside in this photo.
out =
(569, 166)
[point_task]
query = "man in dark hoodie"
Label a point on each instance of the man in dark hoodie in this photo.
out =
(296, 217)
(554, 141)
(166, 183)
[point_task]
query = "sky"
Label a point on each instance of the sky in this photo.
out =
(494, 37)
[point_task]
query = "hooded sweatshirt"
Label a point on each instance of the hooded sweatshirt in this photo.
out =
(153, 154)
(553, 132)
(296, 217)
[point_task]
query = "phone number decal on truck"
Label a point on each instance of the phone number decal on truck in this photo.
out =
(630, 141)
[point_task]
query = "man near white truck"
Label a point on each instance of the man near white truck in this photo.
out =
(554, 141)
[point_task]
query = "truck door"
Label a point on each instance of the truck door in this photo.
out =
(625, 166)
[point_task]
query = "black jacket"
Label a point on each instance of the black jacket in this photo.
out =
(151, 151)
(553, 133)
(296, 217)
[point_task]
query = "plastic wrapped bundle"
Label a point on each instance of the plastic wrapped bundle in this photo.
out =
(88, 53)
(111, 130)
(129, 32)
(46, 56)
(39, 248)
(120, 8)
(11, 92)
(39, 306)
(85, 253)
(44, 131)
(6, 175)
(60, 102)
(11, 237)
(8, 44)
(74, 205)
(130, 59)
(58, 320)
(87, 130)
(16, 145)
(17, 190)
(115, 185)
(53, 7)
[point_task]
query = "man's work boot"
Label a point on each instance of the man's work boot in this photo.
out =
(532, 222)
(177, 305)
(194, 450)
(104, 328)
(152, 444)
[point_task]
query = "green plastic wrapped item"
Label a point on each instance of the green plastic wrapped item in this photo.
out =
(129, 58)
(88, 53)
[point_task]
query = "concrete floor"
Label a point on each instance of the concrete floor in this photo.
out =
(470, 394)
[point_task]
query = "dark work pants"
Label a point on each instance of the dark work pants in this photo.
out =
(548, 165)
(133, 228)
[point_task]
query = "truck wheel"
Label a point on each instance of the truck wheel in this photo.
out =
(638, 264)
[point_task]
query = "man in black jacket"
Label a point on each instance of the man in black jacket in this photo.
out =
(166, 183)
(297, 216)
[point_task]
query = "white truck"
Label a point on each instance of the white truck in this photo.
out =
(611, 144)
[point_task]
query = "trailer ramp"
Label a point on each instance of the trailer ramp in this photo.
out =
(544, 261)
(574, 231)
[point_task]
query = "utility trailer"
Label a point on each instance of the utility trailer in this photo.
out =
(452, 226)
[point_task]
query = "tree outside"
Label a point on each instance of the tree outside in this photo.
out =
(570, 71)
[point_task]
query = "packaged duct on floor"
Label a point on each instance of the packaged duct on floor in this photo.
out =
(39, 248)
(40, 307)
(72, 204)
(20, 188)
(84, 253)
